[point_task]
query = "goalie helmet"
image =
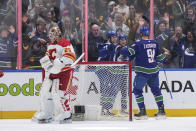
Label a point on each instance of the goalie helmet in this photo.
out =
(54, 33)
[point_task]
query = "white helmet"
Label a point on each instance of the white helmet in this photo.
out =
(54, 33)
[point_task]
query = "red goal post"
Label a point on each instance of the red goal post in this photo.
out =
(107, 85)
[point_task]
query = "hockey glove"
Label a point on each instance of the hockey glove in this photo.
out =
(46, 63)
(57, 67)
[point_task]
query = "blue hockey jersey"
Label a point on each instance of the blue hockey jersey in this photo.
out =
(107, 52)
(146, 53)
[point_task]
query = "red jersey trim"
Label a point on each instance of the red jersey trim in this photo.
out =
(70, 55)
(63, 42)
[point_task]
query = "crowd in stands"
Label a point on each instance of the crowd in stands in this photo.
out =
(174, 27)
(8, 36)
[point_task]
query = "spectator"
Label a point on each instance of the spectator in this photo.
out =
(161, 5)
(53, 7)
(172, 52)
(178, 9)
(39, 33)
(162, 36)
(157, 15)
(95, 42)
(32, 52)
(70, 33)
(122, 8)
(142, 6)
(190, 20)
(3, 9)
(7, 47)
(187, 48)
(176, 57)
(67, 28)
(73, 7)
(132, 24)
(37, 11)
(49, 20)
(100, 8)
(119, 31)
(110, 8)
(10, 17)
(143, 21)
(35, 43)
(118, 23)
(192, 3)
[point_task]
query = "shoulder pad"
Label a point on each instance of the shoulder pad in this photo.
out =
(63, 42)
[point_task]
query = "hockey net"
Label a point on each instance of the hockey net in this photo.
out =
(103, 89)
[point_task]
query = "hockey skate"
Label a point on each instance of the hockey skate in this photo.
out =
(66, 120)
(141, 115)
(124, 113)
(161, 113)
(41, 121)
(44, 121)
(106, 112)
(41, 118)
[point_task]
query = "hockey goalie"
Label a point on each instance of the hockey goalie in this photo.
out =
(57, 77)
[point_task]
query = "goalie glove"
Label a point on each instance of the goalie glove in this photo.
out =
(46, 63)
(57, 66)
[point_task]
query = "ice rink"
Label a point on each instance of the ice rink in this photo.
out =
(169, 124)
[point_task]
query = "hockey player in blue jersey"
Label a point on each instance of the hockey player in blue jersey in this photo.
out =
(107, 52)
(122, 44)
(123, 88)
(146, 53)
(113, 79)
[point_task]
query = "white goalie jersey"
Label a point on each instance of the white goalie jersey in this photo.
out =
(59, 57)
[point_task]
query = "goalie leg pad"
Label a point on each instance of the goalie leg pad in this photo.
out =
(61, 104)
(45, 112)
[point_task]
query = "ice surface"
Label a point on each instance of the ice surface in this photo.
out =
(169, 124)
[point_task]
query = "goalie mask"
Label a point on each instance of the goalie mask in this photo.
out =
(54, 33)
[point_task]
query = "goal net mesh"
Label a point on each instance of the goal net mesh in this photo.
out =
(103, 88)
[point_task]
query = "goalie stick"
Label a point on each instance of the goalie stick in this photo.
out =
(75, 63)
(72, 65)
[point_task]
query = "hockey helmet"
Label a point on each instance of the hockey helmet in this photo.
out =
(121, 36)
(145, 31)
(54, 33)
(111, 33)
